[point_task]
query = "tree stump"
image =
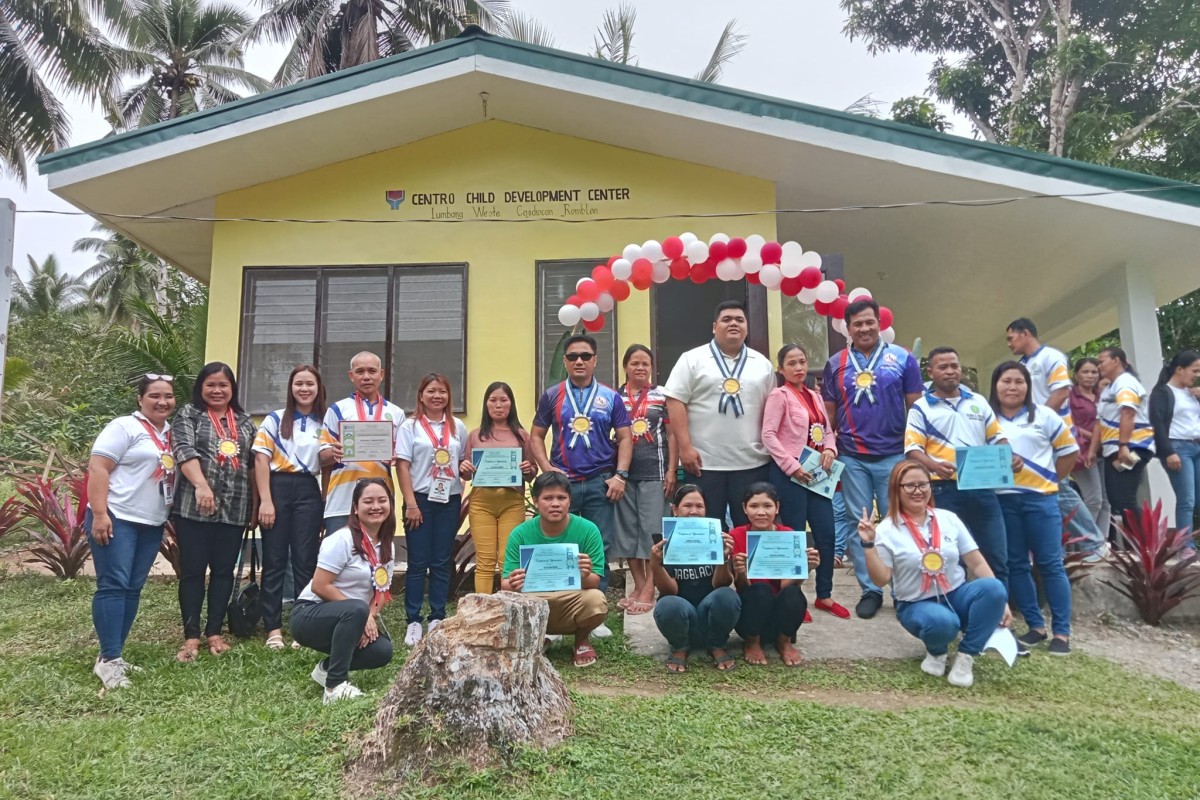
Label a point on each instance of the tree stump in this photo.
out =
(473, 691)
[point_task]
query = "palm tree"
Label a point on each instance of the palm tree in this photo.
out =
(160, 345)
(46, 45)
(185, 56)
(48, 290)
(123, 271)
(328, 35)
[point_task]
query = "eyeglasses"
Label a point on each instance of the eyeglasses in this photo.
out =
(915, 488)
(573, 357)
(152, 376)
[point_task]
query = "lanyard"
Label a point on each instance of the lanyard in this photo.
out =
(816, 418)
(441, 447)
(379, 575)
(227, 446)
(864, 376)
(731, 384)
(637, 412)
(581, 415)
(362, 409)
(166, 461)
(933, 563)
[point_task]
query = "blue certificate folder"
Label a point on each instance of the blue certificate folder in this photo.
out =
(776, 555)
(824, 483)
(987, 467)
(692, 541)
(550, 567)
(496, 467)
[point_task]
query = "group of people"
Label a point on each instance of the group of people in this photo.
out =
(730, 419)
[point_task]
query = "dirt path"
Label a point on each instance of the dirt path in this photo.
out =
(1171, 652)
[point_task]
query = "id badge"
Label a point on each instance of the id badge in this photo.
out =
(167, 488)
(439, 491)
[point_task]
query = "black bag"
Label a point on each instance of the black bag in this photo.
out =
(245, 606)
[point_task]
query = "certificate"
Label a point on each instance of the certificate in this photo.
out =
(367, 440)
(776, 555)
(987, 467)
(550, 567)
(692, 541)
(496, 466)
(824, 482)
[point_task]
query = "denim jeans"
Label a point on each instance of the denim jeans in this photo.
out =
(975, 608)
(1091, 488)
(1186, 483)
(800, 508)
(431, 552)
(864, 485)
(707, 625)
(334, 524)
(723, 489)
(589, 499)
(1077, 518)
(1033, 525)
(292, 541)
(122, 566)
(843, 526)
(979, 509)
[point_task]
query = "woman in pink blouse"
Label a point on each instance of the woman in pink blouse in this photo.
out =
(794, 418)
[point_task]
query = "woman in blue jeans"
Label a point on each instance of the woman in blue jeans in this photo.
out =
(131, 481)
(1031, 514)
(1175, 415)
(429, 447)
(922, 552)
(697, 606)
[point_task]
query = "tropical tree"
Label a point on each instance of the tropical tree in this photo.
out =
(48, 290)
(160, 344)
(920, 112)
(123, 271)
(46, 46)
(183, 56)
(325, 36)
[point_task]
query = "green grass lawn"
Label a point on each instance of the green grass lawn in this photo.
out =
(250, 724)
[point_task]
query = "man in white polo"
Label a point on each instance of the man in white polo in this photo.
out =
(715, 398)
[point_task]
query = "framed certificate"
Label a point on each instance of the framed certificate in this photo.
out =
(692, 541)
(823, 483)
(496, 467)
(367, 440)
(776, 555)
(552, 567)
(987, 467)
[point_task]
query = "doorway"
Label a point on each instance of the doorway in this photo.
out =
(681, 317)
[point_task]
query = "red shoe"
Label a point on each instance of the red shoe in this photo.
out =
(825, 604)
(807, 617)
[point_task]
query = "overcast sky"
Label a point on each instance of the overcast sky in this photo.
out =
(795, 50)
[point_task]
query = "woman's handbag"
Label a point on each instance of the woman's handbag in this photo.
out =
(245, 606)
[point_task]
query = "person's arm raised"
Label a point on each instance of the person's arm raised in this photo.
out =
(881, 574)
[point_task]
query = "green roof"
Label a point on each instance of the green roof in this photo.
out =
(476, 42)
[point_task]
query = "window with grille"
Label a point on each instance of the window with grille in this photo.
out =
(556, 281)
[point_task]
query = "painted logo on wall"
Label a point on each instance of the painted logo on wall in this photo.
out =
(394, 197)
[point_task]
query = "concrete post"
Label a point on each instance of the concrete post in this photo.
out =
(8, 230)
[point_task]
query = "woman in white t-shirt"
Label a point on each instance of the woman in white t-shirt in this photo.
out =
(1175, 416)
(1126, 439)
(922, 552)
(131, 481)
(338, 611)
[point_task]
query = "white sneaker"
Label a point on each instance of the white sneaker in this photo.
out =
(125, 665)
(934, 665)
(319, 673)
(343, 691)
(601, 632)
(111, 674)
(413, 635)
(962, 673)
(433, 623)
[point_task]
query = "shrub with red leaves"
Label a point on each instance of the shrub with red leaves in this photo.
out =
(1153, 572)
(10, 515)
(54, 510)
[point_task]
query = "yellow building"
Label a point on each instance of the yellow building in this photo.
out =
(438, 207)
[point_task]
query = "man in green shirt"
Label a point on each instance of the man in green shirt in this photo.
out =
(575, 613)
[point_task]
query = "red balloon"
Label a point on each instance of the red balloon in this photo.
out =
(736, 248)
(680, 268)
(772, 252)
(619, 290)
(697, 273)
(791, 286)
(718, 251)
(575, 300)
(594, 325)
(672, 247)
(885, 318)
(752, 277)
(822, 308)
(643, 271)
(611, 259)
(641, 285)
(810, 277)
(841, 284)
(603, 277)
(837, 308)
(588, 291)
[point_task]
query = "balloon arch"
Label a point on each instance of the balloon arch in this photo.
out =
(787, 268)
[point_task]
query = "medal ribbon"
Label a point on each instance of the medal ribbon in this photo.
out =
(231, 425)
(934, 545)
(729, 401)
(584, 411)
(439, 444)
(816, 417)
(164, 448)
(384, 595)
(869, 369)
(361, 407)
(637, 410)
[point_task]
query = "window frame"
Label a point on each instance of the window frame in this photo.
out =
(541, 267)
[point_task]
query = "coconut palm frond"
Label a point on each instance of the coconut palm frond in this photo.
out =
(729, 44)
(524, 28)
(614, 38)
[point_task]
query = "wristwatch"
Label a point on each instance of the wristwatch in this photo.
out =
(866, 545)
(623, 474)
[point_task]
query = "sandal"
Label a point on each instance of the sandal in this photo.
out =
(679, 662)
(584, 656)
(275, 642)
(188, 653)
(721, 661)
(623, 603)
(218, 645)
(638, 607)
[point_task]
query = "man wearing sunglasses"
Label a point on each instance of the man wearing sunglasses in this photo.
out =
(585, 417)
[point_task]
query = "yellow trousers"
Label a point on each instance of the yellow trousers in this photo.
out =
(494, 513)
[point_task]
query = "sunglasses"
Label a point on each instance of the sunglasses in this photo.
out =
(573, 357)
(153, 376)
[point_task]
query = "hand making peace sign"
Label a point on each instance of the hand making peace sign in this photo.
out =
(866, 527)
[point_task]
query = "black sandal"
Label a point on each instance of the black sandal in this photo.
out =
(725, 659)
(676, 661)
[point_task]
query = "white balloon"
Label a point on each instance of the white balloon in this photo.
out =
(839, 325)
(631, 253)
(606, 302)
(726, 269)
(568, 315)
(770, 276)
(718, 237)
(810, 258)
(888, 335)
(751, 263)
(754, 243)
(791, 270)
(696, 252)
(589, 311)
(662, 272)
(827, 292)
(738, 272)
(652, 250)
(792, 252)
(688, 238)
(622, 268)
(579, 282)
(857, 293)
(807, 295)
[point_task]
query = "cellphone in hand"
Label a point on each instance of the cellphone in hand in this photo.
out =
(655, 538)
